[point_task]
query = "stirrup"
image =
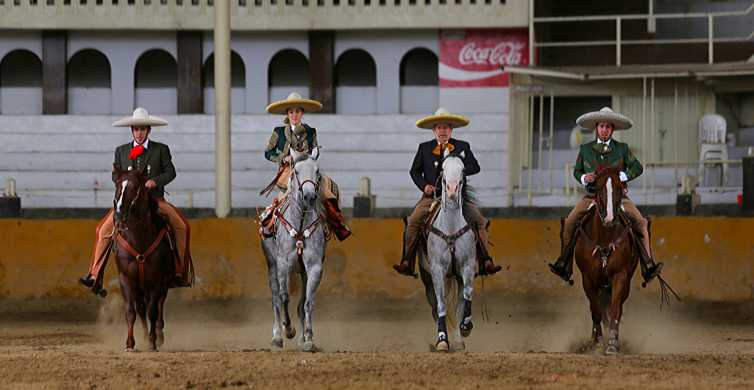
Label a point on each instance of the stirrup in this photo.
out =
(651, 273)
(560, 272)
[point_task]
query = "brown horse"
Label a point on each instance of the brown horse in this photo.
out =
(605, 254)
(143, 254)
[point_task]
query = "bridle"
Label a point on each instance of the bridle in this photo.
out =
(302, 233)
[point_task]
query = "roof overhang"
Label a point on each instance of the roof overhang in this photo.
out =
(587, 73)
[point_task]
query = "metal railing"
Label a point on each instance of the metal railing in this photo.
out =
(651, 19)
(262, 15)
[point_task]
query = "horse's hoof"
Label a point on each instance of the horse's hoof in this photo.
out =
(290, 332)
(442, 346)
(154, 349)
(129, 349)
(459, 346)
(277, 343)
(466, 328)
(309, 346)
(160, 339)
(611, 350)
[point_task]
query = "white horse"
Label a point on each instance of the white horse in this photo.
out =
(450, 253)
(299, 244)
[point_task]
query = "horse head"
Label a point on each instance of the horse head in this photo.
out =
(305, 176)
(609, 193)
(130, 193)
(452, 177)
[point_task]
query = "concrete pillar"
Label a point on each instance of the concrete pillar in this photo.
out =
(189, 58)
(222, 109)
(388, 85)
(322, 68)
(54, 84)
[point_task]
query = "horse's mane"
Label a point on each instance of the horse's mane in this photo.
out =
(469, 195)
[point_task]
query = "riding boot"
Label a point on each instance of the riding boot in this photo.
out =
(486, 265)
(649, 268)
(563, 266)
(336, 220)
(408, 258)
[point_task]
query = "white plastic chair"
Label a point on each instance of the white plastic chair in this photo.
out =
(712, 147)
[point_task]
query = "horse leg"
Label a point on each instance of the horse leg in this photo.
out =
(300, 309)
(283, 276)
(620, 291)
(438, 280)
(161, 319)
(314, 275)
(272, 279)
(141, 310)
(130, 312)
(596, 308)
(153, 313)
(466, 289)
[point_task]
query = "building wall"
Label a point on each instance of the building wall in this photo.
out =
(69, 166)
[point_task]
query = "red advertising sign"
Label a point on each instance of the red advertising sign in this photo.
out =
(474, 58)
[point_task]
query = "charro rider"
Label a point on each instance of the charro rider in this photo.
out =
(604, 151)
(425, 171)
(300, 137)
(154, 159)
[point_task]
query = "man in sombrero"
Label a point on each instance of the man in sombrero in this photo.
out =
(154, 159)
(425, 171)
(302, 138)
(604, 151)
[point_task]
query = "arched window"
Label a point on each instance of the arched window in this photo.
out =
(356, 81)
(156, 81)
(288, 71)
(89, 88)
(20, 83)
(419, 82)
(237, 84)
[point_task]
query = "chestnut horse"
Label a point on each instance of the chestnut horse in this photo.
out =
(143, 254)
(606, 256)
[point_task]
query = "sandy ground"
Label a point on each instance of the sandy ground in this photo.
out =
(526, 343)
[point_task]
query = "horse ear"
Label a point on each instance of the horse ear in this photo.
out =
(315, 153)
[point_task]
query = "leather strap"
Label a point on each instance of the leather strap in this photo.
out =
(141, 258)
(450, 240)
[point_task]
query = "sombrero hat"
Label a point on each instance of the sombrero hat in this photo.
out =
(140, 117)
(606, 114)
(442, 116)
(294, 100)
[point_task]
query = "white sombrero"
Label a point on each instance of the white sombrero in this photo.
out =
(606, 114)
(442, 116)
(140, 117)
(294, 100)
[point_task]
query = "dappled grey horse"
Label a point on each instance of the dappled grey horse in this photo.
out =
(298, 245)
(450, 256)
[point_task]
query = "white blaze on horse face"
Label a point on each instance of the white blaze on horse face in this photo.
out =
(120, 198)
(609, 205)
(452, 169)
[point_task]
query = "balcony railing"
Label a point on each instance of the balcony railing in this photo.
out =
(262, 15)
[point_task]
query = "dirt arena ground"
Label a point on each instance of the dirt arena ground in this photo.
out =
(526, 343)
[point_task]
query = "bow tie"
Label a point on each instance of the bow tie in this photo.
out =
(136, 151)
(438, 150)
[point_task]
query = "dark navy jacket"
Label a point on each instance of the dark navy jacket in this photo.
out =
(427, 165)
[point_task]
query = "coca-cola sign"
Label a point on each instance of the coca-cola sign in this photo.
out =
(474, 58)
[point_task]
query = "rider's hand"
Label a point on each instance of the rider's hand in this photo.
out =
(150, 184)
(287, 159)
(429, 189)
(589, 177)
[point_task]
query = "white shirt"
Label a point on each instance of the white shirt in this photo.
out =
(145, 144)
(622, 175)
